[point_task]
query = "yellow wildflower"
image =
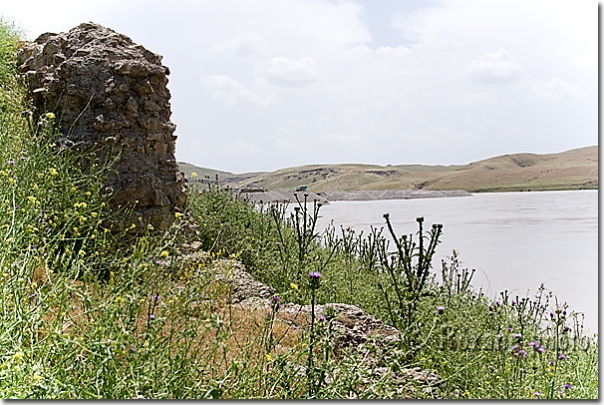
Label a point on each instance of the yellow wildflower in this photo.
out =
(294, 286)
(53, 171)
(50, 116)
(18, 357)
(193, 175)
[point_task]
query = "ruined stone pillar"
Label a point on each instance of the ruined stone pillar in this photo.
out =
(106, 90)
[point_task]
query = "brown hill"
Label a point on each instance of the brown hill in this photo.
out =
(574, 169)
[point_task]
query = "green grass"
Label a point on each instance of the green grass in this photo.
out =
(89, 312)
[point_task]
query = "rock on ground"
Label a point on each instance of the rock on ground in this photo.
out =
(353, 330)
(109, 96)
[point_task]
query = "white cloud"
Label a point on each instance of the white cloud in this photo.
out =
(495, 68)
(393, 52)
(380, 70)
(243, 45)
(230, 92)
(285, 72)
(346, 139)
(239, 148)
(556, 90)
(284, 145)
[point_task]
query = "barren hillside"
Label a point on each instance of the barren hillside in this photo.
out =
(574, 169)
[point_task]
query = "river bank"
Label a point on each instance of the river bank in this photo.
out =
(371, 195)
(325, 197)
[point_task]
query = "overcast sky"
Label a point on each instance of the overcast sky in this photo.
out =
(259, 85)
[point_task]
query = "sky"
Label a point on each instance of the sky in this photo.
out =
(259, 85)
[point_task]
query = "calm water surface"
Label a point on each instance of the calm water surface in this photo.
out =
(515, 241)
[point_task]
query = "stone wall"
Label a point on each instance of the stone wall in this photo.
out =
(109, 95)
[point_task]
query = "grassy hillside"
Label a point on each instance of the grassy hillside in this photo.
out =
(574, 169)
(188, 169)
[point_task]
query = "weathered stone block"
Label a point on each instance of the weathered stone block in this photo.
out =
(105, 89)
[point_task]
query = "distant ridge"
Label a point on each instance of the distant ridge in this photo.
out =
(570, 170)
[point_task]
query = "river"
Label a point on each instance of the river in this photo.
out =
(515, 241)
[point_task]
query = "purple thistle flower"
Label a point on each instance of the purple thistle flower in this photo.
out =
(11, 162)
(275, 302)
(537, 394)
(513, 302)
(567, 386)
(563, 357)
(22, 158)
(315, 277)
(564, 312)
(133, 348)
(522, 353)
(322, 318)
(518, 335)
(533, 344)
(156, 297)
(541, 349)
(513, 348)
(440, 309)
(17, 207)
(509, 328)
(152, 316)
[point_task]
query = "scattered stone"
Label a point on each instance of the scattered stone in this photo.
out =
(109, 96)
(354, 331)
(244, 286)
(352, 326)
(370, 195)
(281, 196)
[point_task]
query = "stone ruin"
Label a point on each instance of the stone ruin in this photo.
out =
(354, 330)
(109, 97)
